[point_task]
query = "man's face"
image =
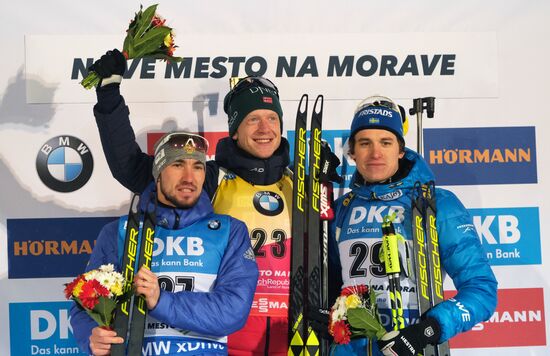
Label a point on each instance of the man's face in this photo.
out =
(376, 154)
(180, 183)
(259, 133)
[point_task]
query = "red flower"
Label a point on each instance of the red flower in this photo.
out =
(69, 287)
(341, 332)
(91, 291)
(359, 290)
(157, 21)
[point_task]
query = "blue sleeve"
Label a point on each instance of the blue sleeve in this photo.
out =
(128, 164)
(105, 251)
(463, 260)
(225, 308)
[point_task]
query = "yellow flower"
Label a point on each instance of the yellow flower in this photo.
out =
(78, 287)
(353, 301)
(168, 40)
(116, 288)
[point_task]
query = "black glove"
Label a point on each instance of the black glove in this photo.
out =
(318, 320)
(411, 340)
(329, 163)
(111, 63)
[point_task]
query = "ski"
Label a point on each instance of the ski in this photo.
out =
(433, 257)
(129, 320)
(139, 310)
(297, 326)
(129, 256)
(426, 257)
(314, 246)
(309, 264)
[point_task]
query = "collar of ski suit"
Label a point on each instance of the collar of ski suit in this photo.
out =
(174, 218)
(420, 171)
(254, 170)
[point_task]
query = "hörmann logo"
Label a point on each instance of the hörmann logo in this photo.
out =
(63, 245)
(64, 164)
(52, 247)
(496, 155)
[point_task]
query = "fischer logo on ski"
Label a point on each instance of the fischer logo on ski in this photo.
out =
(309, 282)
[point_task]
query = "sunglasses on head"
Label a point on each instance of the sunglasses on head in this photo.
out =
(378, 101)
(184, 140)
(245, 83)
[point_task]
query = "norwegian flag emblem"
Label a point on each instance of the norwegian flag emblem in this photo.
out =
(267, 99)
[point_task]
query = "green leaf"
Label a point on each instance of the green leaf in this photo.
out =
(144, 21)
(151, 41)
(129, 47)
(104, 309)
(362, 319)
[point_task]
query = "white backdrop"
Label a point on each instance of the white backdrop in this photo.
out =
(498, 78)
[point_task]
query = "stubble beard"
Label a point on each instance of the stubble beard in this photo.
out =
(178, 204)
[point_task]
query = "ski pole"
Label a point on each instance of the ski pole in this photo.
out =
(390, 257)
(419, 105)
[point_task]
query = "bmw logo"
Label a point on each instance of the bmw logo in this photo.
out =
(214, 224)
(64, 164)
(268, 203)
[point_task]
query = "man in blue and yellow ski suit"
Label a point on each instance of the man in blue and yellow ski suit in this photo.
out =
(383, 183)
(203, 260)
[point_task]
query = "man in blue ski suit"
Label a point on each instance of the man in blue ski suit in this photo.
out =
(204, 262)
(383, 183)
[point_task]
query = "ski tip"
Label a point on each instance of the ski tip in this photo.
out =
(134, 204)
(318, 107)
(302, 107)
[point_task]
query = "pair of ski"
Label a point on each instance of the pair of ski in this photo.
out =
(309, 261)
(427, 262)
(129, 322)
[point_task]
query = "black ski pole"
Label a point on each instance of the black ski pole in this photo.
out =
(419, 105)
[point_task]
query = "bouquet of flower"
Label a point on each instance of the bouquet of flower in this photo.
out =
(147, 36)
(98, 292)
(355, 314)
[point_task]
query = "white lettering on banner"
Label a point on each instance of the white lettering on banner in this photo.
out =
(516, 316)
(447, 64)
(375, 214)
(508, 231)
(50, 324)
(507, 254)
(65, 350)
(35, 350)
(264, 305)
(181, 246)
